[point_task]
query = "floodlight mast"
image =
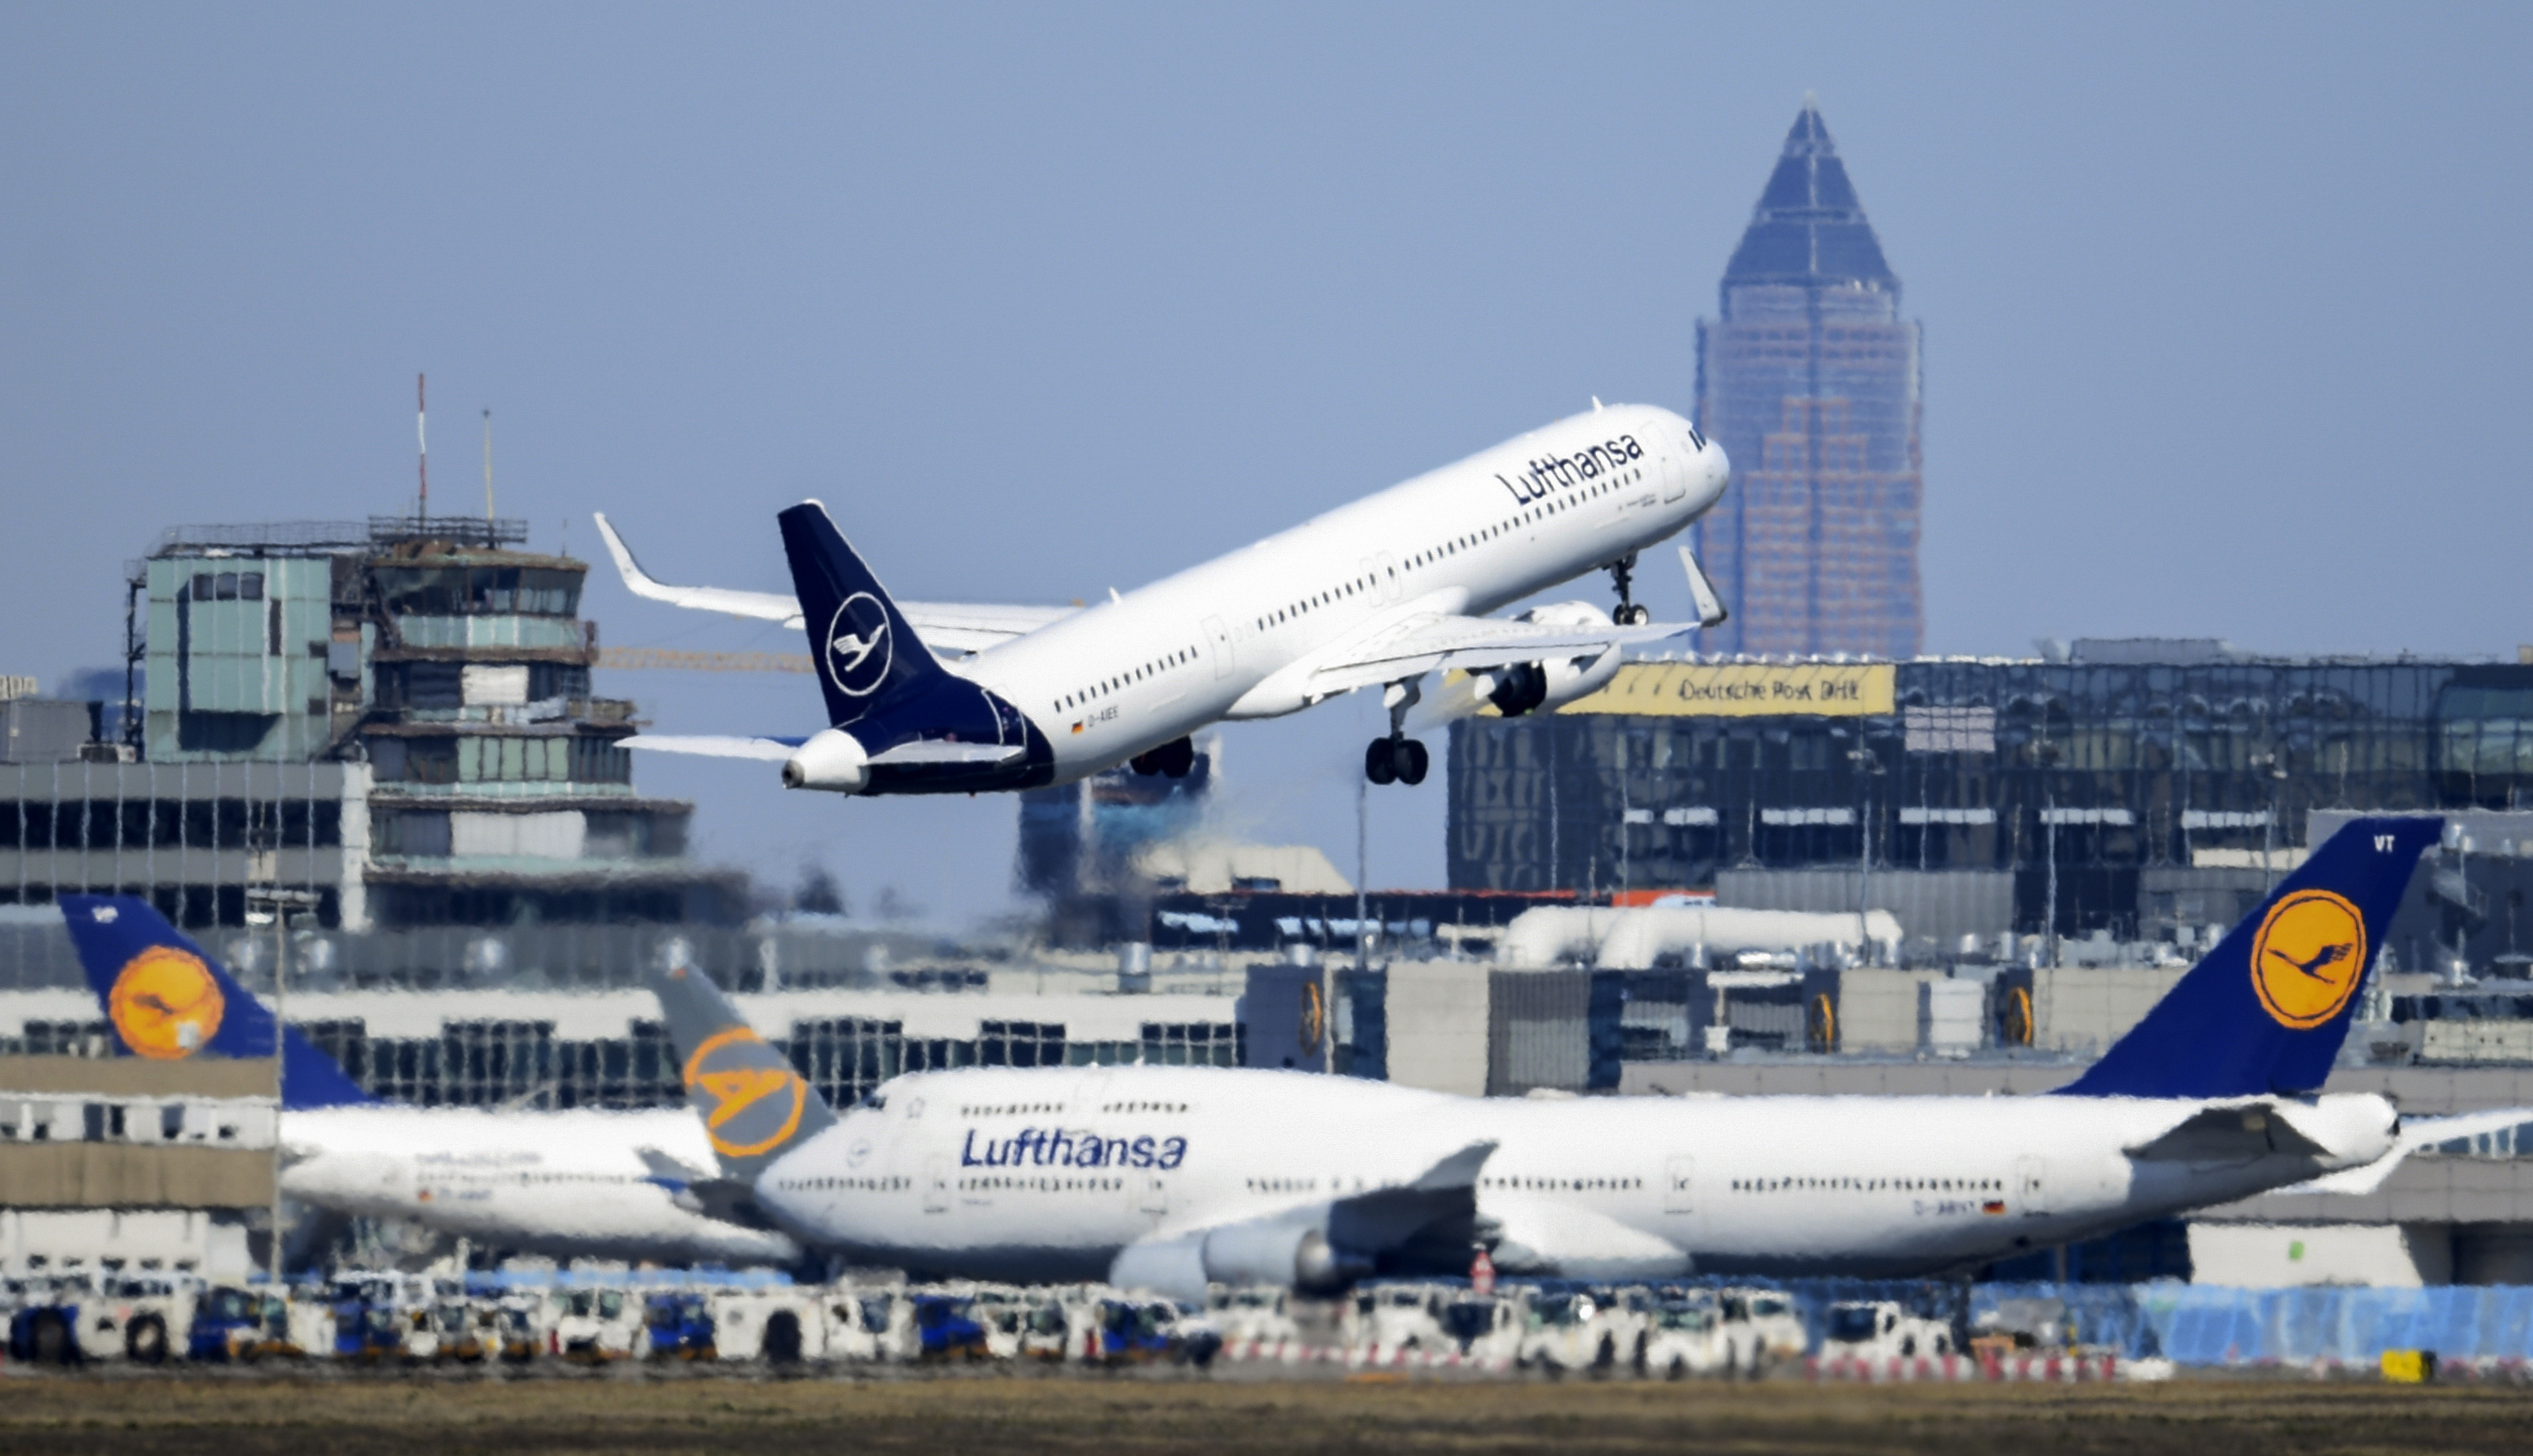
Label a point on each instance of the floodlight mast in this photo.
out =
(279, 904)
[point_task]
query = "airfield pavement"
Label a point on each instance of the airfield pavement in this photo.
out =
(963, 1415)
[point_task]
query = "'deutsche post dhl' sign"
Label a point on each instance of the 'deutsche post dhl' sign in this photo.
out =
(1745, 690)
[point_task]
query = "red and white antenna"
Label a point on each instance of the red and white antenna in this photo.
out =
(422, 439)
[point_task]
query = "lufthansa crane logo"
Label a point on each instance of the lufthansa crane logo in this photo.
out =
(859, 651)
(752, 1107)
(2308, 957)
(165, 1004)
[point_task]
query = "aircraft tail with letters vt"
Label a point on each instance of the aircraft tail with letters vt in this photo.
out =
(755, 1105)
(168, 1000)
(2265, 1011)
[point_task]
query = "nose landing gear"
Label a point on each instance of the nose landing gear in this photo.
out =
(1395, 760)
(1628, 613)
(1398, 758)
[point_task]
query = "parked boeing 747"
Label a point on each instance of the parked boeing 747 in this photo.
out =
(575, 1183)
(1173, 1177)
(1387, 592)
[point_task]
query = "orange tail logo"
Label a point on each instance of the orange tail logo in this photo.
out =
(747, 1114)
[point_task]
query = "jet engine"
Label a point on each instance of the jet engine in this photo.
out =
(1523, 687)
(1268, 1253)
(1290, 1251)
(832, 760)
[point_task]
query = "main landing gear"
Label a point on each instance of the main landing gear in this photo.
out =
(1398, 758)
(1628, 613)
(1395, 760)
(1173, 758)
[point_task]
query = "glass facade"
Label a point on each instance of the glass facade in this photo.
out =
(1809, 380)
(2078, 777)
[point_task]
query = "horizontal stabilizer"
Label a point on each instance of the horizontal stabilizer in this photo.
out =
(927, 752)
(2228, 1135)
(717, 746)
(2417, 1135)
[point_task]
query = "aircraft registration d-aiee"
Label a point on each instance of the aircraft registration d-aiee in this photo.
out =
(1392, 592)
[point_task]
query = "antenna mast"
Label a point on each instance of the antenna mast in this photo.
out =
(488, 465)
(422, 442)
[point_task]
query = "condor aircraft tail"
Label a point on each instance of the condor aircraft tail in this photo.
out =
(755, 1105)
(2265, 1011)
(167, 1001)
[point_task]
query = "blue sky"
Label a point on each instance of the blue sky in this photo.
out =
(2226, 317)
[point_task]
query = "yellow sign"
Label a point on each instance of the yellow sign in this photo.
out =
(1315, 1017)
(749, 1095)
(1745, 690)
(165, 1004)
(2307, 957)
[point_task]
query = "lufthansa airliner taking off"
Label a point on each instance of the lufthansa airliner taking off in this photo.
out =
(574, 1183)
(1172, 1177)
(1387, 592)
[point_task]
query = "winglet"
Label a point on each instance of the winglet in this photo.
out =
(2265, 1011)
(168, 1001)
(636, 580)
(1711, 611)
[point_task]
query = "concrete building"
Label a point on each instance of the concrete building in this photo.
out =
(111, 1164)
(1808, 378)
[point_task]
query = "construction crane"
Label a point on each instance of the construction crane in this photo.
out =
(703, 662)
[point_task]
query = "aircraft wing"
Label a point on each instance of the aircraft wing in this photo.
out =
(944, 626)
(1427, 1220)
(2416, 1134)
(1424, 644)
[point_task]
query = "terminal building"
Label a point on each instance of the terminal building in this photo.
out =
(2143, 790)
(394, 718)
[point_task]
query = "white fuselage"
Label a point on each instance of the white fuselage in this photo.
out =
(1236, 636)
(565, 1184)
(1048, 1174)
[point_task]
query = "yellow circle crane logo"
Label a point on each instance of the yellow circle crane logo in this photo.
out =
(753, 1106)
(2308, 957)
(165, 1004)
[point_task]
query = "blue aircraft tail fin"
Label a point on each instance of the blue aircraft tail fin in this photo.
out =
(2265, 1011)
(167, 1001)
(867, 653)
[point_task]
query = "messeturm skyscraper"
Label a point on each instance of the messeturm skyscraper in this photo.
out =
(1810, 382)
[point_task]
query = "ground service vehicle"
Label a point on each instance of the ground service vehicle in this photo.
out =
(1880, 1329)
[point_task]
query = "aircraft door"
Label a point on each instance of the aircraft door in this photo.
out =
(1217, 638)
(1670, 465)
(1386, 568)
(1151, 1195)
(2031, 1185)
(936, 1184)
(1676, 1184)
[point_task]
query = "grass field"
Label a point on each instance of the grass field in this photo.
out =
(952, 1415)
